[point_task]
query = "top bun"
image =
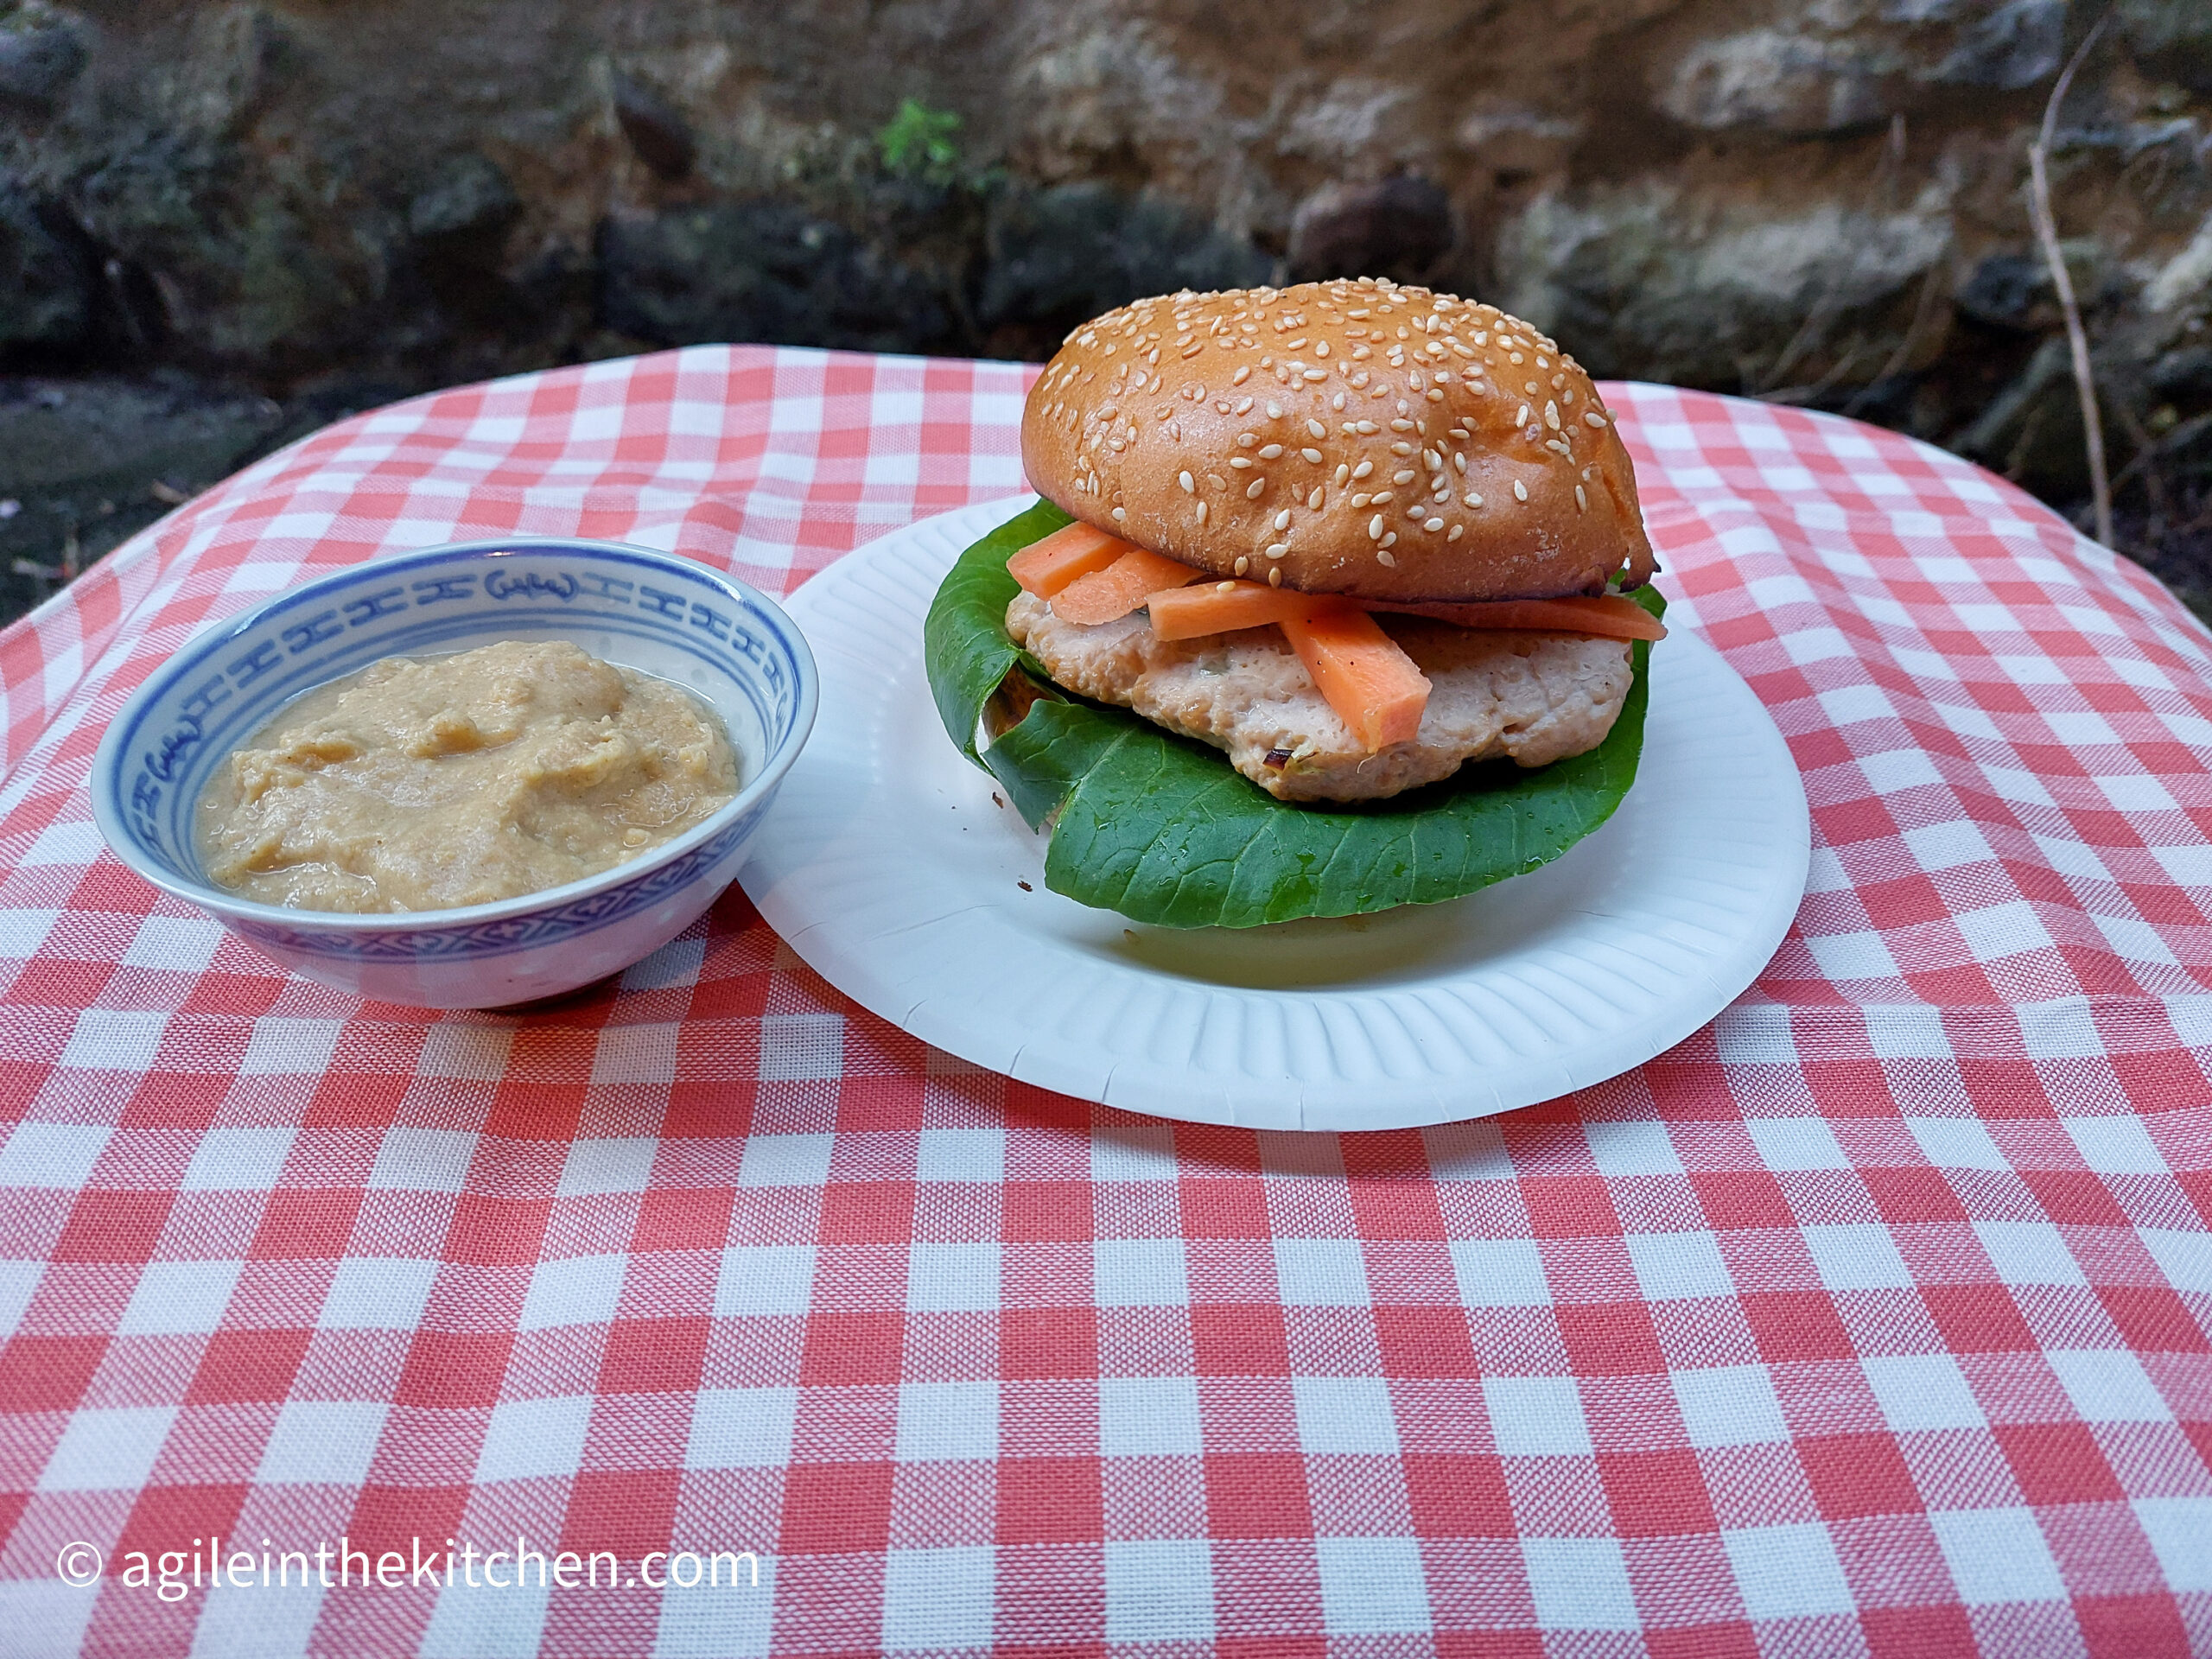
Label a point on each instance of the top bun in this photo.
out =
(1359, 437)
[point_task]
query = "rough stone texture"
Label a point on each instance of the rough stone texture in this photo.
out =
(86, 462)
(1818, 201)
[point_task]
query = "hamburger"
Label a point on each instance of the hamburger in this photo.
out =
(1355, 534)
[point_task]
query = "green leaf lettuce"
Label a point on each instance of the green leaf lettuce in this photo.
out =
(1164, 830)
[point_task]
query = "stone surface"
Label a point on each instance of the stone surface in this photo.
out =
(761, 270)
(1819, 202)
(46, 293)
(87, 461)
(1654, 281)
(1057, 256)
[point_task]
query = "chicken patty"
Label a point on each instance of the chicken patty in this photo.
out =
(1526, 696)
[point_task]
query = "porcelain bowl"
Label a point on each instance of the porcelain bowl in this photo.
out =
(731, 647)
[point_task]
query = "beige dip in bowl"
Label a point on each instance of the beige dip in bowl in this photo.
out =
(431, 783)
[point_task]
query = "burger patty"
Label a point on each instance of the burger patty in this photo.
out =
(1530, 697)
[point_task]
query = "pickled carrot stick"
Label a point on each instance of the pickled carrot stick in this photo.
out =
(1122, 586)
(1045, 566)
(1362, 674)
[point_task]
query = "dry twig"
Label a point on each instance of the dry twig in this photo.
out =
(2077, 338)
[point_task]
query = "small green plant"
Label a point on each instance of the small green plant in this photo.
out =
(918, 141)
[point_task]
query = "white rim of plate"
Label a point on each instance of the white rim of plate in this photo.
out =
(887, 868)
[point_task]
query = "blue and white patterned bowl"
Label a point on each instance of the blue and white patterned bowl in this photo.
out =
(647, 610)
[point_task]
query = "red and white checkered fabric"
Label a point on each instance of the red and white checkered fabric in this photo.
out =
(1871, 1320)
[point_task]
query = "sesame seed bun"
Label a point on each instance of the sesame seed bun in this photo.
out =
(1304, 431)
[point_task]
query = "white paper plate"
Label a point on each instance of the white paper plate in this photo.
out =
(888, 868)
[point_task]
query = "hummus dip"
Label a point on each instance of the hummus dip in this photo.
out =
(430, 783)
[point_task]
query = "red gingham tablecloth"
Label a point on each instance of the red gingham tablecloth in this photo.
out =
(1871, 1320)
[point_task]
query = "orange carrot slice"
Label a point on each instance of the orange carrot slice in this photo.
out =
(1220, 607)
(1360, 671)
(1121, 587)
(1609, 615)
(1044, 568)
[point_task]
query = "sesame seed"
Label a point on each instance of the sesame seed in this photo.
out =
(1391, 540)
(1383, 555)
(1517, 358)
(1460, 459)
(1242, 375)
(1401, 425)
(1311, 457)
(1253, 490)
(1581, 501)
(1121, 515)
(1337, 401)
(1190, 486)
(1375, 528)
(1401, 447)
(1276, 550)
(1315, 428)
(1434, 524)
(1361, 501)
(1244, 407)
(1367, 428)
(1520, 491)
(1242, 565)
(1455, 533)
(1225, 586)
(1520, 419)
(1591, 417)
(1551, 414)
(1202, 512)
(1382, 497)
(1240, 461)
(1554, 443)
(1274, 411)
(1275, 576)
(1271, 452)
(1215, 480)
(1405, 477)
(1283, 520)
(1363, 469)
(1314, 499)
(1344, 473)
(1474, 500)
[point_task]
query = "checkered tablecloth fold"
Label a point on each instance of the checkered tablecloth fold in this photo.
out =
(1872, 1321)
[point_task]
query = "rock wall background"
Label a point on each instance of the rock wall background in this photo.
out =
(222, 224)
